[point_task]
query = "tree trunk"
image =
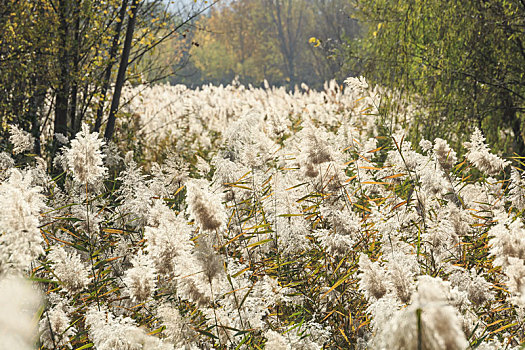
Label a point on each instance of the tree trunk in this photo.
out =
(62, 93)
(107, 74)
(282, 17)
(75, 122)
(121, 75)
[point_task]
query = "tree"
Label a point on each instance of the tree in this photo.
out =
(107, 70)
(464, 60)
(288, 22)
(235, 41)
(259, 40)
(25, 49)
(121, 76)
(58, 59)
(333, 27)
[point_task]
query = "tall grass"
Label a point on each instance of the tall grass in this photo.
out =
(271, 220)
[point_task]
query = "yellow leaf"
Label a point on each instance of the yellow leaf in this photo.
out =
(504, 327)
(337, 284)
(369, 168)
(313, 40)
(398, 205)
(393, 176)
(344, 335)
(376, 183)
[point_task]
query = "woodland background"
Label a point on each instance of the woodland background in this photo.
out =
(65, 61)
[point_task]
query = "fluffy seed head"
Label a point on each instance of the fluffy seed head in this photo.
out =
(85, 157)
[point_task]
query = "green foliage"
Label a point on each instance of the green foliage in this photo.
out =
(463, 61)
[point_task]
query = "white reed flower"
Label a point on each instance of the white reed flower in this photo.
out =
(60, 160)
(19, 303)
(382, 310)
(373, 280)
(6, 162)
(433, 181)
(247, 142)
(517, 189)
(161, 184)
(176, 168)
(426, 145)
(208, 259)
(356, 83)
(140, 279)
(204, 206)
(89, 218)
(61, 138)
(20, 206)
(445, 154)
(257, 298)
(134, 193)
(292, 340)
(109, 332)
(508, 240)
(85, 157)
(291, 231)
(401, 269)
(167, 240)
(479, 155)
(112, 155)
(73, 275)
(202, 166)
(202, 273)
(442, 238)
(492, 344)
(430, 320)
(21, 140)
(276, 341)
(227, 171)
(405, 158)
(289, 224)
(55, 327)
(476, 287)
(515, 273)
(177, 331)
(333, 242)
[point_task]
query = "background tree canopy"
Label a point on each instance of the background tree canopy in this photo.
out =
(63, 61)
(464, 60)
(285, 42)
